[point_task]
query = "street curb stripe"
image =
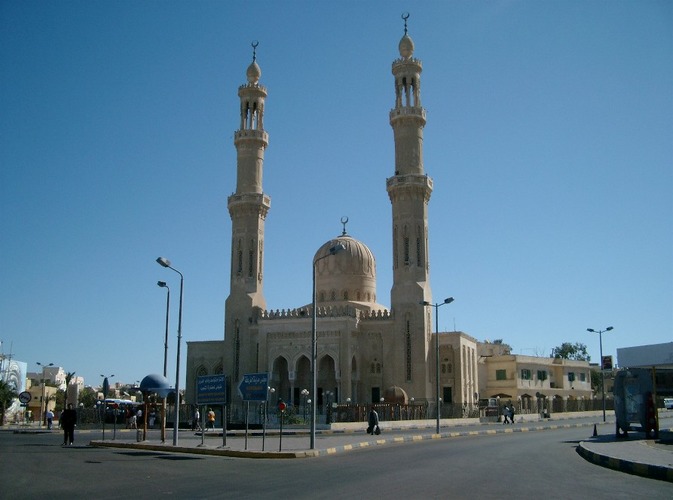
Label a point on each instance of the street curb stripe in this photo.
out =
(637, 469)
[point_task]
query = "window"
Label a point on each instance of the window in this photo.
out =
(583, 377)
(525, 374)
(501, 374)
(571, 376)
(542, 374)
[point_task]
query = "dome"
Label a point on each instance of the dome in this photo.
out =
(253, 73)
(347, 275)
(406, 47)
(395, 394)
(155, 383)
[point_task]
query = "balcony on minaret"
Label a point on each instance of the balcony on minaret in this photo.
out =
(251, 135)
(249, 203)
(407, 112)
(405, 185)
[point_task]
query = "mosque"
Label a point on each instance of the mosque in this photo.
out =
(366, 352)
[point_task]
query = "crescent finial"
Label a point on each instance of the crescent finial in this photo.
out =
(344, 221)
(254, 44)
(405, 16)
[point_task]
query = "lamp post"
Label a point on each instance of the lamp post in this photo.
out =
(163, 284)
(600, 341)
(106, 391)
(314, 340)
(42, 402)
(304, 395)
(167, 263)
(437, 398)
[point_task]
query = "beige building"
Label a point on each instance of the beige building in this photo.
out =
(43, 398)
(526, 379)
(365, 350)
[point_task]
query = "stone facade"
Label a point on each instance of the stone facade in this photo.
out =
(366, 351)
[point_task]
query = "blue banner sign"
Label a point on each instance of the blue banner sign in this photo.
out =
(211, 389)
(254, 387)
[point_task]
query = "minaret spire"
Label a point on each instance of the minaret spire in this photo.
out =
(248, 208)
(409, 191)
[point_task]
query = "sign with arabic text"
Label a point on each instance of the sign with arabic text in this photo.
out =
(254, 387)
(211, 390)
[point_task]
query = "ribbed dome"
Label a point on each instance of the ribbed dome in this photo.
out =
(254, 72)
(348, 275)
(406, 47)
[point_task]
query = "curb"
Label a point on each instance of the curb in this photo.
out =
(227, 452)
(637, 469)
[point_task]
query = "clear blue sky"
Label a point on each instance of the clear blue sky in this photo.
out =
(549, 139)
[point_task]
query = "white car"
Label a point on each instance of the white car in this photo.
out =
(668, 403)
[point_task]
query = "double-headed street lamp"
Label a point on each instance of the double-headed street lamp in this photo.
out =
(314, 340)
(437, 306)
(43, 406)
(163, 284)
(167, 263)
(600, 340)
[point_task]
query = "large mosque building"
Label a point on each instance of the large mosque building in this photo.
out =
(365, 351)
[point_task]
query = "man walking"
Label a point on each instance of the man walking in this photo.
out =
(68, 421)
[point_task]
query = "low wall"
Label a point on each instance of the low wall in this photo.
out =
(458, 422)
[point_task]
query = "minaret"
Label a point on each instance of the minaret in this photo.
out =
(409, 191)
(248, 208)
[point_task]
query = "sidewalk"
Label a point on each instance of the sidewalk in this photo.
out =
(633, 455)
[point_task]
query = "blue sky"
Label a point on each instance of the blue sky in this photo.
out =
(549, 139)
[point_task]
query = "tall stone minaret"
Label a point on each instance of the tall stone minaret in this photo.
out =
(409, 191)
(248, 208)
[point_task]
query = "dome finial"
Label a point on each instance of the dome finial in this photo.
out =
(255, 43)
(344, 221)
(405, 16)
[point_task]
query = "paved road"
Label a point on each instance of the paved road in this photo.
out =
(515, 464)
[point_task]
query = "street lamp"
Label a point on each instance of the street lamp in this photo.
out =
(163, 284)
(167, 263)
(437, 306)
(304, 395)
(106, 390)
(42, 402)
(600, 340)
(314, 339)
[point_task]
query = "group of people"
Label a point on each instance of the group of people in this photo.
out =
(508, 414)
(196, 419)
(133, 417)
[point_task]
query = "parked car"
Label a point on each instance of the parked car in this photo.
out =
(668, 403)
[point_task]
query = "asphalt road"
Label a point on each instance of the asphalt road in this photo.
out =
(518, 465)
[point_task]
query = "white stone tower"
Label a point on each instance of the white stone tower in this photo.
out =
(248, 208)
(409, 191)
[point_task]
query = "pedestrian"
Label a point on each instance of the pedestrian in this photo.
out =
(505, 415)
(196, 419)
(373, 422)
(67, 421)
(211, 418)
(511, 413)
(153, 417)
(50, 419)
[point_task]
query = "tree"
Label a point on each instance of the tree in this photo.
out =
(88, 397)
(59, 399)
(7, 394)
(576, 351)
